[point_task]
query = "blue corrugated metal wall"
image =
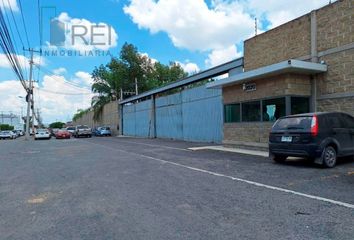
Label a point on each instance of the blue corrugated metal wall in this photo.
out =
(169, 122)
(202, 115)
(193, 115)
(142, 118)
(129, 120)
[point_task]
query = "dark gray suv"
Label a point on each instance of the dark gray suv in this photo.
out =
(321, 137)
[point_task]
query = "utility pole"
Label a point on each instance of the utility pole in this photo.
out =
(136, 86)
(29, 97)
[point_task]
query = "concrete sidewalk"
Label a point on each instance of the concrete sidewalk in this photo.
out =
(231, 149)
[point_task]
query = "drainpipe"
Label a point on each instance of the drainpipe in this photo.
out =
(314, 58)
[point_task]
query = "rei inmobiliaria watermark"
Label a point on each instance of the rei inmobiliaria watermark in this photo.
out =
(75, 37)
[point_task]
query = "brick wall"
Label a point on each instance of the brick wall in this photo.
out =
(291, 40)
(243, 133)
(335, 24)
(289, 84)
(340, 75)
(339, 104)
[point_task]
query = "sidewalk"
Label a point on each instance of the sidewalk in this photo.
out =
(232, 149)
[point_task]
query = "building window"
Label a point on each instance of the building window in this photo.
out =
(273, 109)
(300, 105)
(232, 113)
(251, 111)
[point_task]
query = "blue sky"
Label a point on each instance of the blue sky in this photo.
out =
(198, 34)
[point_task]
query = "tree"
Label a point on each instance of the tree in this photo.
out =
(80, 113)
(6, 127)
(122, 72)
(57, 125)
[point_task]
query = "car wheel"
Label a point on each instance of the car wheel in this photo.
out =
(329, 157)
(279, 158)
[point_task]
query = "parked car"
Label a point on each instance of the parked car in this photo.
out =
(7, 135)
(62, 134)
(71, 130)
(20, 132)
(42, 134)
(53, 131)
(82, 130)
(16, 133)
(102, 131)
(321, 137)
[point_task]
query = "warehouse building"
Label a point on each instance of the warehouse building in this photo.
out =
(304, 65)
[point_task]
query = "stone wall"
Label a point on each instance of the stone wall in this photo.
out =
(109, 117)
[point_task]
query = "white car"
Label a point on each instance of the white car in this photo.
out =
(42, 134)
(7, 134)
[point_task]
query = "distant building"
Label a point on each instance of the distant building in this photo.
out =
(11, 119)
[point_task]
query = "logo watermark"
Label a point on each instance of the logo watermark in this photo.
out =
(77, 37)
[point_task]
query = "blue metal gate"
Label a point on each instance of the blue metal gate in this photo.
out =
(194, 114)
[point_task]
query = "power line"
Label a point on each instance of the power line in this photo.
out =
(55, 77)
(15, 22)
(39, 23)
(23, 21)
(62, 93)
(14, 39)
(9, 50)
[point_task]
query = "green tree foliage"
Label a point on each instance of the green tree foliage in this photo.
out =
(122, 72)
(57, 125)
(6, 127)
(80, 113)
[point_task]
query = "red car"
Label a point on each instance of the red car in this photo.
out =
(62, 134)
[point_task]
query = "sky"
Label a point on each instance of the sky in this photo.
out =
(198, 34)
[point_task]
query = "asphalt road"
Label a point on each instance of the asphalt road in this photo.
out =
(126, 188)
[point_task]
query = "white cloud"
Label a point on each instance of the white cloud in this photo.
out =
(278, 12)
(53, 104)
(99, 36)
(219, 56)
(84, 78)
(59, 106)
(9, 100)
(59, 71)
(191, 24)
(189, 67)
(153, 60)
(24, 61)
(195, 26)
(9, 4)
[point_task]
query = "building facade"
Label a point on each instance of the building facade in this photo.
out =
(304, 65)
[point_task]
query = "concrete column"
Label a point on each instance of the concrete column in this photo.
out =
(120, 116)
(314, 58)
(152, 126)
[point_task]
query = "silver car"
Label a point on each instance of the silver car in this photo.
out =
(82, 130)
(7, 135)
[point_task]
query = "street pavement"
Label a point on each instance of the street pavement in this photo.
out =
(132, 188)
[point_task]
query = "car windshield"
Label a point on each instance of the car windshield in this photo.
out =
(41, 130)
(70, 128)
(293, 123)
(82, 127)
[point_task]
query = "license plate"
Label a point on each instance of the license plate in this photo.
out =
(286, 139)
